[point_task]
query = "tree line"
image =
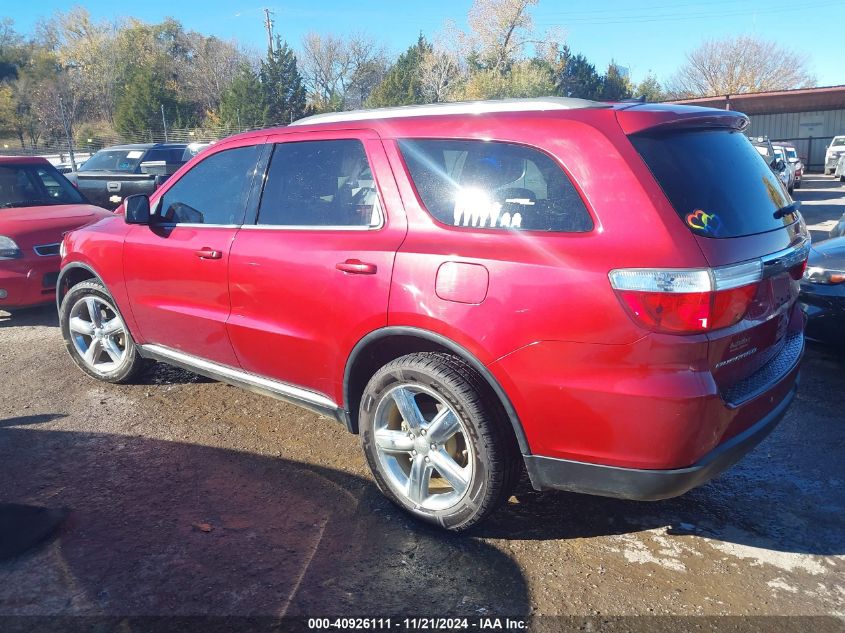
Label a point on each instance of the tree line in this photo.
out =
(94, 81)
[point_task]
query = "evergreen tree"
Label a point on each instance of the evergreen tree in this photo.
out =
(138, 109)
(243, 103)
(574, 76)
(284, 91)
(615, 86)
(402, 85)
(650, 89)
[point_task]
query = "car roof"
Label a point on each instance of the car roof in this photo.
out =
(148, 146)
(544, 104)
(23, 160)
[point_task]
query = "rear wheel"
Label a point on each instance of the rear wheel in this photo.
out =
(96, 335)
(436, 445)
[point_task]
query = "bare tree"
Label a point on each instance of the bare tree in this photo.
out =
(341, 71)
(442, 68)
(208, 68)
(500, 31)
(737, 65)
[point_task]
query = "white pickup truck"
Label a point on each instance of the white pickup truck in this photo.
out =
(832, 154)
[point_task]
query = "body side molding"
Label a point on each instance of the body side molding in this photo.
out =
(266, 386)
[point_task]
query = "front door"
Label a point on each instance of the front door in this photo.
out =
(311, 277)
(176, 269)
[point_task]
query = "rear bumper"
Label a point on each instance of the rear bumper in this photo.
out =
(549, 473)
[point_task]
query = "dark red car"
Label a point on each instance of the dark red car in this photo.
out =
(577, 288)
(37, 207)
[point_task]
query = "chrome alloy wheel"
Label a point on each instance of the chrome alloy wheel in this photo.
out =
(423, 447)
(98, 334)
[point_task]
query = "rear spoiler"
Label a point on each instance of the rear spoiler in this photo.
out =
(659, 116)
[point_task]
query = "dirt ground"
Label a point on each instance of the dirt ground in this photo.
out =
(185, 496)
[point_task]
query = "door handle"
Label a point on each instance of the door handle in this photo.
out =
(357, 267)
(208, 253)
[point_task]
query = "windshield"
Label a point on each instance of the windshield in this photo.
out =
(126, 160)
(792, 153)
(35, 185)
(839, 140)
(716, 181)
(779, 154)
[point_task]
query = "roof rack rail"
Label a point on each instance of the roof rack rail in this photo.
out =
(459, 107)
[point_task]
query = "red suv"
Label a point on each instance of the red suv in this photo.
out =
(578, 287)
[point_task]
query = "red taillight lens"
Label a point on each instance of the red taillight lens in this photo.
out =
(669, 312)
(688, 301)
(797, 272)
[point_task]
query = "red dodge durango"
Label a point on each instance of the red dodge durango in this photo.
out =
(602, 294)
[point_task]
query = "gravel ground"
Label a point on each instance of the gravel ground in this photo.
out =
(185, 496)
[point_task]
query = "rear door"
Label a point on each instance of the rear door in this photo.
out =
(311, 277)
(177, 269)
(722, 189)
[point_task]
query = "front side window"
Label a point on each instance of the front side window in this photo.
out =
(320, 184)
(214, 191)
(32, 185)
(494, 185)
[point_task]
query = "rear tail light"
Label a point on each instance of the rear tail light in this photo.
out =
(688, 301)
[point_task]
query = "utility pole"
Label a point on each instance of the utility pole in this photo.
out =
(268, 22)
(66, 126)
(164, 123)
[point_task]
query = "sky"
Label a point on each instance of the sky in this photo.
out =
(646, 36)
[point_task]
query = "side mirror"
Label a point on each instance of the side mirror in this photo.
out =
(160, 179)
(136, 209)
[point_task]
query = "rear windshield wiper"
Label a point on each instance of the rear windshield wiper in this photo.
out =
(789, 209)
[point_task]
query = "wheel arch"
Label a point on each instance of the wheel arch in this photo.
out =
(383, 345)
(71, 275)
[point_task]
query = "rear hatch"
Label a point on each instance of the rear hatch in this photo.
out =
(724, 192)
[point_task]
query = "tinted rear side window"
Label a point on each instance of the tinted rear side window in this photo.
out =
(718, 183)
(494, 185)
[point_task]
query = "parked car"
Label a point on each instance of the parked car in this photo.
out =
(37, 207)
(781, 158)
(576, 287)
(779, 166)
(823, 292)
(123, 170)
(795, 162)
(840, 169)
(834, 151)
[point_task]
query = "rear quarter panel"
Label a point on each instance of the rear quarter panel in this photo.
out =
(542, 286)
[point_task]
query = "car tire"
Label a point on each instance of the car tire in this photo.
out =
(96, 336)
(798, 185)
(451, 480)
(827, 172)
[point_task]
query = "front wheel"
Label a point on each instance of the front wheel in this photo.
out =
(436, 443)
(96, 336)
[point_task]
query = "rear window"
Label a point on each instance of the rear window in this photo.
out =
(716, 180)
(494, 185)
